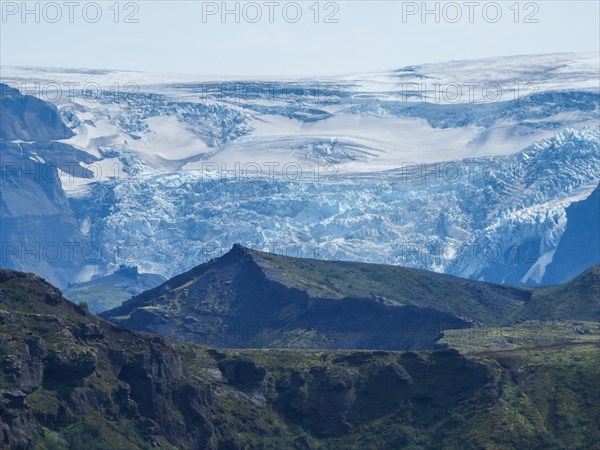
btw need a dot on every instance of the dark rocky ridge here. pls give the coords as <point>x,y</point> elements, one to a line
<point>251,299</point>
<point>233,302</point>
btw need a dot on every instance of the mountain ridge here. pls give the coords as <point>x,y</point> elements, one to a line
<point>267,300</point>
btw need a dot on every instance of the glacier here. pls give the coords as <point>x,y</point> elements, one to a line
<point>491,221</point>
<point>466,167</point>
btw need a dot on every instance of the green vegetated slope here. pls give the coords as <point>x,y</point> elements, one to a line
<point>577,299</point>
<point>70,380</point>
<point>394,285</point>
<point>523,334</point>
<point>484,303</point>
<point>253,299</point>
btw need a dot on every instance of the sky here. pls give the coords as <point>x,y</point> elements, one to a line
<point>280,38</point>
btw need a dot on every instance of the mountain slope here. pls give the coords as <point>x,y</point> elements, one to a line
<point>69,380</point>
<point>577,299</point>
<point>39,230</point>
<point>579,247</point>
<point>27,118</point>
<point>102,293</point>
<point>248,298</point>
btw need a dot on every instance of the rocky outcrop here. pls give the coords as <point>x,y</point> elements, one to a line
<point>27,118</point>
<point>242,372</point>
<point>70,366</point>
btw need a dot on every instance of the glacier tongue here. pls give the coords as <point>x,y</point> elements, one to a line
<point>488,218</point>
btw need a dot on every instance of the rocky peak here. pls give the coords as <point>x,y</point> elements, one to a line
<point>127,271</point>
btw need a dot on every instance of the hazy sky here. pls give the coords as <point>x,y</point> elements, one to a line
<point>178,37</point>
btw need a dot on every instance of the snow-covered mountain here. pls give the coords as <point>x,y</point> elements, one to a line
<point>465,167</point>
